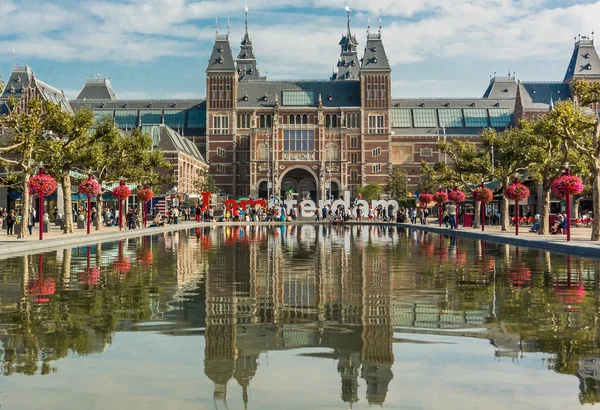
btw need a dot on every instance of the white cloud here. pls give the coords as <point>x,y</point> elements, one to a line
<point>298,38</point>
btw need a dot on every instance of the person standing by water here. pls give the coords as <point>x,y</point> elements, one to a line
<point>10,222</point>
<point>452,215</point>
<point>30,222</point>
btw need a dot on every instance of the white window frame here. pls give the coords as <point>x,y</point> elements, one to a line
<point>377,124</point>
<point>220,125</point>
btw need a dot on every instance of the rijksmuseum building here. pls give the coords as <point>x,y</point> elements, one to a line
<point>323,137</point>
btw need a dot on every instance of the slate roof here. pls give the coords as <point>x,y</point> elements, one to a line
<point>375,57</point>
<point>171,141</point>
<point>536,96</point>
<point>221,58</point>
<point>501,87</point>
<point>146,104</point>
<point>17,83</point>
<point>348,64</point>
<point>246,60</point>
<point>584,61</point>
<point>54,95</point>
<point>342,93</point>
<point>97,89</point>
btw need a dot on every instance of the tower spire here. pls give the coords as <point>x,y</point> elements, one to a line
<point>347,64</point>
<point>348,11</point>
<point>246,9</point>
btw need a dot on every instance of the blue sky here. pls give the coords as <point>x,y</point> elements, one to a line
<point>160,48</point>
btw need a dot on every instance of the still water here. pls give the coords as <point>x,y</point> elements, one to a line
<point>299,317</point>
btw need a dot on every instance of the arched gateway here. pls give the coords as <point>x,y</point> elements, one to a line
<point>299,180</point>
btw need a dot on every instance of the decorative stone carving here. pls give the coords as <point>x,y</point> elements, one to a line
<point>298,156</point>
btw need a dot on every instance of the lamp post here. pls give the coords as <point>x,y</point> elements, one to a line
<point>89,207</point>
<point>516,212</point>
<point>568,198</point>
<point>41,209</point>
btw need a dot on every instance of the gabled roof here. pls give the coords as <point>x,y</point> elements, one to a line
<point>171,141</point>
<point>584,61</point>
<point>54,95</point>
<point>538,96</point>
<point>375,57</point>
<point>17,83</point>
<point>97,89</point>
<point>221,58</point>
<point>262,94</point>
<point>501,87</point>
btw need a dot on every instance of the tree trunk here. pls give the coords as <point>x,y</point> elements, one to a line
<point>596,200</point>
<point>545,214</point>
<point>504,211</point>
<point>99,212</point>
<point>477,215</point>
<point>140,215</point>
<point>576,207</point>
<point>66,265</point>
<point>68,211</point>
<point>25,208</point>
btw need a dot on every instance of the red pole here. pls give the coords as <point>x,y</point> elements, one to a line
<point>120,215</point>
<point>516,218</point>
<point>89,209</point>
<point>145,212</point>
<point>41,217</point>
<point>568,213</point>
<point>482,211</point>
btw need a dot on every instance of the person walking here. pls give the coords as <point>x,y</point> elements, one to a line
<point>176,216</point>
<point>452,215</point>
<point>10,222</point>
<point>30,222</point>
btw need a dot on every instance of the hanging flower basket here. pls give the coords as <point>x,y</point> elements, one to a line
<point>146,258</point>
<point>145,194</point>
<point>41,185</point>
<point>440,197</point>
<point>41,288</point>
<point>89,188</point>
<point>457,196</point>
<point>570,294</point>
<point>425,199</point>
<point>122,265</point>
<point>484,195</point>
<point>121,192</point>
<point>90,276</point>
<point>520,277</point>
<point>517,192</point>
<point>567,185</point>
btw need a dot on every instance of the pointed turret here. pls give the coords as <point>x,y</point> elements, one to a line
<point>585,63</point>
<point>375,58</point>
<point>246,60</point>
<point>348,66</point>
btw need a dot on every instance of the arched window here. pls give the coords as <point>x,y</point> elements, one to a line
<point>263,151</point>
<point>292,119</point>
<point>334,123</point>
<point>305,119</point>
<point>311,119</point>
<point>348,120</point>
<point>298,119</point>
<point>328,121</point>
<point>269,124</point>
<point>262,121</point>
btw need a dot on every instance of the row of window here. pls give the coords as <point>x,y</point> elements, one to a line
<point>244,120</point>
<point>377,124</point>
<point>220,125</point>
<point>176,119</point>
<point>451,117</point>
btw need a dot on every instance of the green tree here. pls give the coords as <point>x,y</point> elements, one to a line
<point>116,156</point>
<point>398,183</point>
<point>68,150</point>
<point>512,158</point>
<point>369,192</point>
<point>23,142</point>
<point>205,182</point>
<point>580,129</point>
<point>469,165</point>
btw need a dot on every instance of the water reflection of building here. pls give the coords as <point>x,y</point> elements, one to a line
<point>295,289</point>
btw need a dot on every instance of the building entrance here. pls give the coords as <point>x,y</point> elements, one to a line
<point>300,184</point>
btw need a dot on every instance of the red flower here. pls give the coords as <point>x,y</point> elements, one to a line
<point>89,188</point>
<point>424,199</point>
<point>520,277</point>
<point>145,194</point>
<point>122,265</point>
<point>517,192</point>
<point>482,194</point>
<point>121,192</point>
<point>90,276</point>
<point>457,196</point>
<point>440,197</point>
<point>41,185</point>
<point>567,185</point>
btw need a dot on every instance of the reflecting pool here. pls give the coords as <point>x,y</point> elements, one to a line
<point>299,317</point>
